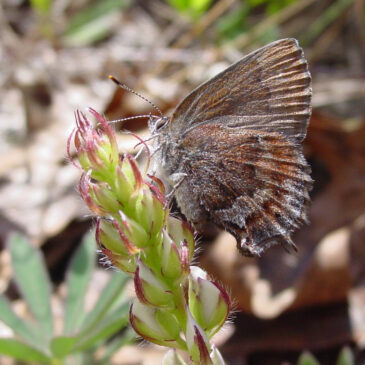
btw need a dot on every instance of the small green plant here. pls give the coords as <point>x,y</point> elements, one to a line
<point>34,341</point>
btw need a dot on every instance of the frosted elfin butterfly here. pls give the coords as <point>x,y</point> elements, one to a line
<point>231,151</point>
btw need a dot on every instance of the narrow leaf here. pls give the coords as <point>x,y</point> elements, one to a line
<point>107,298</point>
<point>32,279</point>
<point>20,327</point>
<point>21,351</point>
<point>109,326</point>
<point>61,346</point>
<point>78,279</point>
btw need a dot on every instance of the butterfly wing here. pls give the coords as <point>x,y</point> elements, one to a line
<point>253,185</point>
<point>269,90</point>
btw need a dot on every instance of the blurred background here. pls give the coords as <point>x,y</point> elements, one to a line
<point>55,56</point>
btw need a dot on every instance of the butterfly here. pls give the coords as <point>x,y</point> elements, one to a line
<point>231,151</point>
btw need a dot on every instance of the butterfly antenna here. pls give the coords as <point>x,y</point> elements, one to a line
<point>125,87</point>
<point>129,118</point>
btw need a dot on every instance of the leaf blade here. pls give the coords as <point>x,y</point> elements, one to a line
<point>32,278</point>
<point>21,351</point>
<point>106,299</point>
<point>20,327</point>
<point>78,279</point>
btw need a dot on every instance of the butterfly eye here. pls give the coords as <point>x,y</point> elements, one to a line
<point>160,123</point>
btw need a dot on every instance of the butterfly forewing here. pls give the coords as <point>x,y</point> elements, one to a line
<point>269,89</point>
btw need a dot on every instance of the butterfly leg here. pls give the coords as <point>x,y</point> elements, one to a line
<point>177,179</point>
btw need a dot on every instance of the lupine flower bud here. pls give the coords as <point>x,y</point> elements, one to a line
<point>84,189</point>
<point>171,266</point>
<point>133,231</point>
<point>150,289</point>
<point>208,303</point>
<point>114,248</point>
<point>155,325</point>
<point>96,148</point>
<point>182,234</point>
<point>124,183</point>
<point>105,198</point>
<point>113,239</point>
<point>197,342</point>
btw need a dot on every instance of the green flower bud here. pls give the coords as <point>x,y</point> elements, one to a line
<point>208,303</point>
<point>155,325</point>
<point>133,231</point>
<point>114,247</point>
<point>170,261</point>
<point>150,211</point>
<point>96,148</point>
<point>181,233</point>
<point>123,184</point>
<point>197,342</point>
<point>150,289</point>
<point>105,198</point>
<point>111,238</point>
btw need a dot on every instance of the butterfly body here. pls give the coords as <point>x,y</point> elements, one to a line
<point>232,151</point>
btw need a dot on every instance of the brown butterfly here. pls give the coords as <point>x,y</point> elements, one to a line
<point>232,149</point>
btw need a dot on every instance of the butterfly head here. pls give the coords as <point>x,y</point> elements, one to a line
<point>157,123</point>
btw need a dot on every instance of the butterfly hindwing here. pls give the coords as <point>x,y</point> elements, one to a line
<point>254,185</point>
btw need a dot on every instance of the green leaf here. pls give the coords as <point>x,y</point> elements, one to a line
<point>94,23</point>
<point>110,294</point>
<point>109,326</point>
<point>78,279</point>
<point>61,346</point>
<point>20,327</point>
<point>21,351</point>
<point>32,279</point>
<point>346,357</point>
<point>306,358</point>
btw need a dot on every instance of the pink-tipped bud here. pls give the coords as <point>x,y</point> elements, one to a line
<point>182,234</point>
<point>105,198</point>
<point>171,266</point>
<point>96,148</point>
<point>150,289</point>
<point>197,342</point>
<point>155,325</point>
<point>149,211</point>
<point>85,189</point>
<point>114,248</point>
<point>133,231</point>
<point>208,302</point>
